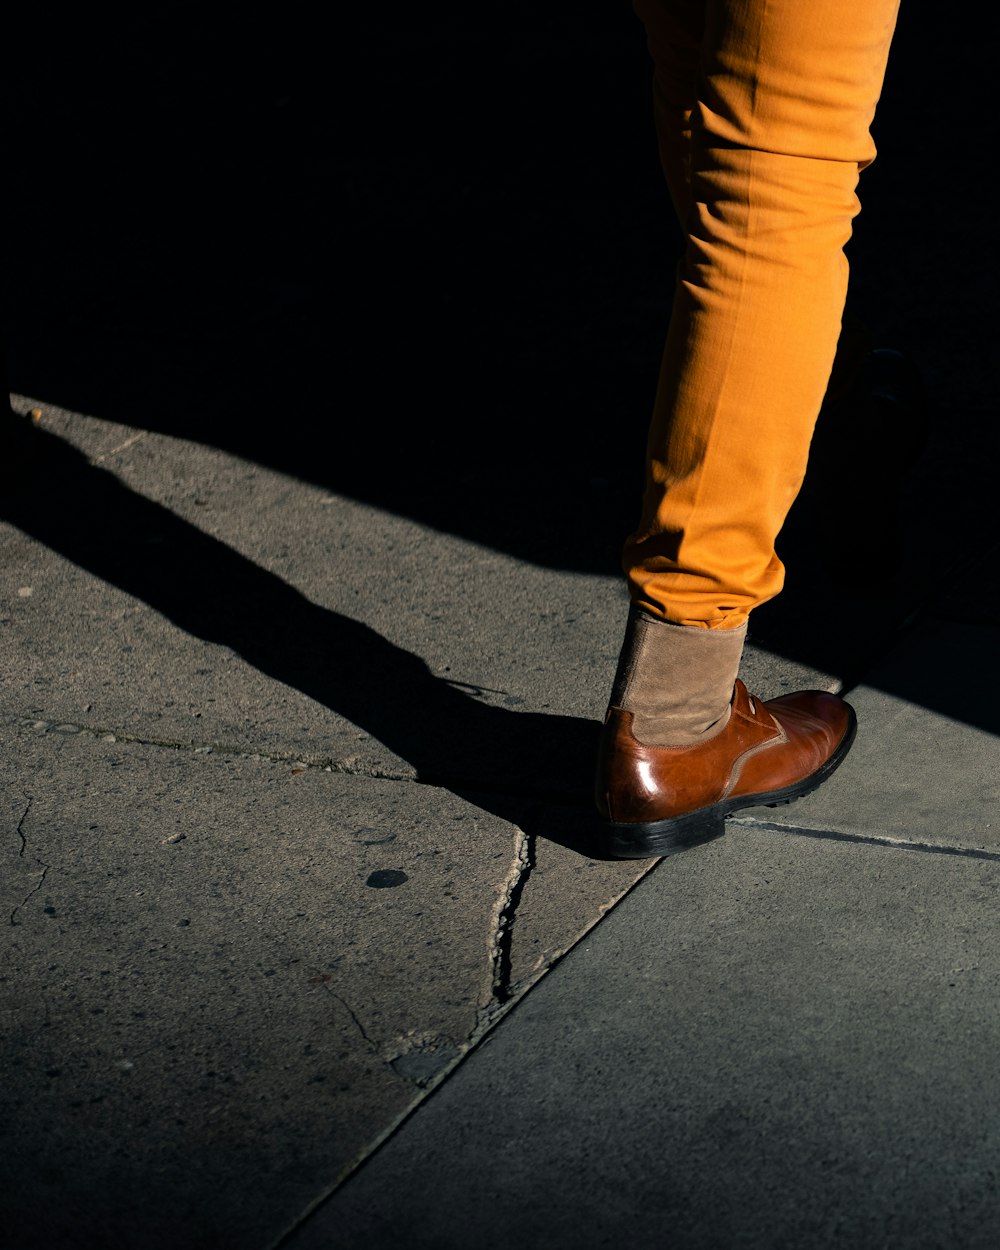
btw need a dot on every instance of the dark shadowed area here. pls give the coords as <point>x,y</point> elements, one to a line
<point>426,262</point>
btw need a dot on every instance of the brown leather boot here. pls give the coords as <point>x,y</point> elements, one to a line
<point>660,795</point>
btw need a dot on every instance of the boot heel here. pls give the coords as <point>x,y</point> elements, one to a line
<point>658,838</point>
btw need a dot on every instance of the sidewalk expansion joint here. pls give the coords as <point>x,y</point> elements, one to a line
<point>503,916</point>
<point>105,734</point>
<point>348,767</point>
<point>885,841</point>
<point>490,1013</point>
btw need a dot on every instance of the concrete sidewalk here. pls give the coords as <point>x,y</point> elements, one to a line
<point>280,855</point>
<point>309,938</point>
<point>785,1038</point>
<point>245,934</point>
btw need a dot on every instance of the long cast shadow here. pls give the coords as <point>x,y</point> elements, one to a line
<point>462,328</point>
<point>509,762</point>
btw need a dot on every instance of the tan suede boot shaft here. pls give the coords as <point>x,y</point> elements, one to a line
<point>676,680</point>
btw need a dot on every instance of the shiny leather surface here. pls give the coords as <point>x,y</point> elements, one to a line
<point>763,748</point>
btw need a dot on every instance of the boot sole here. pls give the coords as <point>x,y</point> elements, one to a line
<point>659,837</point>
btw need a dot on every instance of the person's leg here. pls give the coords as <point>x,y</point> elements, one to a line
<point>778,135</point>
<point>763,113</point>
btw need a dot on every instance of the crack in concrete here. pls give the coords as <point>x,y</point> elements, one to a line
<point>499,990</point>
<point>20,828</point>
<point>21,854</point>
<point>323,979</point>
<point>350,1011</point>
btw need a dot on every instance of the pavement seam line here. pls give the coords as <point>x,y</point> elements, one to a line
<point>488,1018</point>
<point>503,915</point>
<point>325,764</point>
<point>105,734</point>
<point>890,843</point>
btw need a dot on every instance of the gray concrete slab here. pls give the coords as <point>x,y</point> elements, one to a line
<point>223,978</point>
<point>925,767</point>
<point>776,1041</point>
<point>204,660</point>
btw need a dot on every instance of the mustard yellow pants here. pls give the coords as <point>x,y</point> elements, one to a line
<point>763,109</point>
